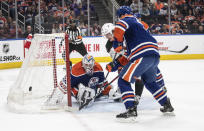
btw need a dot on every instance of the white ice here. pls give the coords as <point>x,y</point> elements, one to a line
<point>184,81</point>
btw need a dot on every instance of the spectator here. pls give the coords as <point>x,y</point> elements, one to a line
<point>3,34</point>
<point>163,10</point>
<point>145,10</point>
<point>158,5</point>
<point>136,6</point>
<point>194,27</point>
<point>28,31</point>
<point>200,29</point>
<point>2,20</point>
<point>84,29</point>
<point>55,28</point>
<point>173,9</point>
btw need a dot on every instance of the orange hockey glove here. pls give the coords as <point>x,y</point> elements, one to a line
<point>118,49</point>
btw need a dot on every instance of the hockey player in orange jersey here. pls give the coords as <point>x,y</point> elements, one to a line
<point>143,59</point>
<point>87,78</point>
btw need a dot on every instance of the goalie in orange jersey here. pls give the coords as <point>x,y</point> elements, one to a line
<point>87,79</point>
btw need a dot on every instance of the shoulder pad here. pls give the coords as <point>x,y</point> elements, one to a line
<point>78,70</point>
<point>97,67</point>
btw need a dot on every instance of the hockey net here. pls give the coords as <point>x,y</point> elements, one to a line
<point>40,73</point>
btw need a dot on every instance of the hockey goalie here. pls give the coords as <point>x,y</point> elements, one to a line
<point>87,78</point>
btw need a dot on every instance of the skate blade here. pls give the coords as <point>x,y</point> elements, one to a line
<point>169,114</point>
<point>71,109</point>
<point>127,120</point>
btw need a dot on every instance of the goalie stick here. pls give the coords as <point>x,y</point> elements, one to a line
<point>181,51</point>
<point>97,94</point>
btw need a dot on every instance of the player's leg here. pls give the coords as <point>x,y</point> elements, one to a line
<point>71,48</point>
<point>160,80</point>
<point>139,86</point>
<point>81,49</point>
<point>129,74</point>
<point>128,98</point>
<point>157,91</point>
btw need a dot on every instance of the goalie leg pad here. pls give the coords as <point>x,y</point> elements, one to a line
<point>84,94</point>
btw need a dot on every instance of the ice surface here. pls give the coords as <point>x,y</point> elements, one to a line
<point>184,81</point>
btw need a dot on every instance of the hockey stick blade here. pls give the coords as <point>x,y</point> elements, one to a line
<point>181,51</point>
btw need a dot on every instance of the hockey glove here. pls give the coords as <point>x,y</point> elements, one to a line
<point>122,60</point>
<point>104,88</point>
<point>118,49</point>
<point>112,66</point>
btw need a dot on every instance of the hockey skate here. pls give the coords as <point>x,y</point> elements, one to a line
<point>167,107</point>
<point>54,102</point>
<point>128,116</point>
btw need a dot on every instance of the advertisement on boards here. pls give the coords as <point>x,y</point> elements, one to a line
<point>11,51</point>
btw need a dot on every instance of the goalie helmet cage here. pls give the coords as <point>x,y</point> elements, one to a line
<point>40,73</point>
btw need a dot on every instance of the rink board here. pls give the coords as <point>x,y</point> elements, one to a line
<point>12,51</point>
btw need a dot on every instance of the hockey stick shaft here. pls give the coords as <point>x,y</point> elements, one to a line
<point>181,51</point>
<point>88,101</point>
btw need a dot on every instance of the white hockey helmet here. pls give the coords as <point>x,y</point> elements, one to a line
<point>88,63</point>
<point>107,28</point>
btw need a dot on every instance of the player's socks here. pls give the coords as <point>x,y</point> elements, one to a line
<point>158,93</point>
<point>139,86</point>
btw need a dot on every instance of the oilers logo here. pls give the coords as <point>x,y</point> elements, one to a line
<point>93,82</point>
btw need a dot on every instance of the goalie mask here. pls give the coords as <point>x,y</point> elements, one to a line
<point>88,64</point>
<point>107,28</point>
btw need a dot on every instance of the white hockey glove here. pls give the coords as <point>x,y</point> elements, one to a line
<point>84,94</point>
<point>114,95</point>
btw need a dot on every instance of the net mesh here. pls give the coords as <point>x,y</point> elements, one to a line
<point>42,69</point>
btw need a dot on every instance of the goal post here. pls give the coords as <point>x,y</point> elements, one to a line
<point>40,74</point>
<point>69,102</point>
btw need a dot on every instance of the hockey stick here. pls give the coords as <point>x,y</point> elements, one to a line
<point>181,51</point>
<point>97,94</point>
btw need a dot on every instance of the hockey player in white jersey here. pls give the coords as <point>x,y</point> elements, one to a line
<point>107,31</point>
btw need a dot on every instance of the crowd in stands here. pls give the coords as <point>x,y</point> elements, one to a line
<point>51,17</point>
<point>187,16</point>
